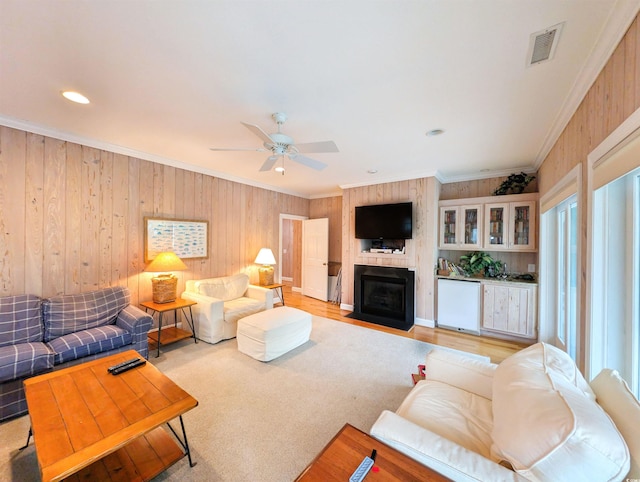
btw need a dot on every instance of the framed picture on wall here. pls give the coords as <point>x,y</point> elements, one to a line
<point>188,239</point>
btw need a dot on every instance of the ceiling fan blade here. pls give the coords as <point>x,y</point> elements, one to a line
<point>260,149</point>
<point>323,146</point>
<point>258,132</point>
<point>307,161</point>
<point>268,164</point>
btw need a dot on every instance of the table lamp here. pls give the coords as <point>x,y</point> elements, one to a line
<point>165,285</point>
<point>266,259</point>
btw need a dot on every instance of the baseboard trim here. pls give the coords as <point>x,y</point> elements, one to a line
<point>423,322</point>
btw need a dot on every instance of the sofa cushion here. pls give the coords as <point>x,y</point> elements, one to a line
<point>241,307</point>
<point>469,372</point>
<point>613,394</point>
<point>20,320</point>
<point>88,342</point>
<point>225,288</point>
<point>24,360</point>
<point>457,415</point>
<point>547,424</point>
<point>70,313</point>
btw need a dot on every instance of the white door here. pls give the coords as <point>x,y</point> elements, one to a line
<point>315,258</point>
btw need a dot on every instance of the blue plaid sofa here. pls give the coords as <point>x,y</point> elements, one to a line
<point>39,335</point>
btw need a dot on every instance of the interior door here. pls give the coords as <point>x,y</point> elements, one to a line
<point>315,258</point>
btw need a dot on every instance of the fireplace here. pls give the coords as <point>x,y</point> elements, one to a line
<point>384,295</point>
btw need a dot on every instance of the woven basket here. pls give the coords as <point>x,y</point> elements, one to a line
<point>164,288</point>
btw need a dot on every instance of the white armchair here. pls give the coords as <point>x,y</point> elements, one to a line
<point>222,302</point>
<point>533,417</point>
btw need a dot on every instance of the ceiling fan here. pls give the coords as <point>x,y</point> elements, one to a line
<point>281,145</point>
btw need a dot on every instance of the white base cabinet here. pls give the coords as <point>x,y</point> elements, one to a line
<point>510,309</point>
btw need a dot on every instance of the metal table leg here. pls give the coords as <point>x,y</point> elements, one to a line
<point>183,441</point>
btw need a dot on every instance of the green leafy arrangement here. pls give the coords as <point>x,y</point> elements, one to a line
<point>514,184</point>
<point>480,262</point>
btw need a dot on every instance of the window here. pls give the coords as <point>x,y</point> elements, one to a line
<point>559,264</point>
<point>615,322</point>
<point>560,276</point>
<point>613,291</point>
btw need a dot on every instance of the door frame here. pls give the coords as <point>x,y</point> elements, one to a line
<point>283,217</point>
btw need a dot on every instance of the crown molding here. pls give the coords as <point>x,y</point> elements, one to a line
<point>388,179</point>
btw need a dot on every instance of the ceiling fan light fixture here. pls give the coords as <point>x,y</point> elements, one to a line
<point>281,145</point>
<point>279,169</point>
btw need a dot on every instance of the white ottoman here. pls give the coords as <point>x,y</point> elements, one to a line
<point>272,333</point>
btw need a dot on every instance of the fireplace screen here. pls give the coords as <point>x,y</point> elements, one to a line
<point>384,297</point>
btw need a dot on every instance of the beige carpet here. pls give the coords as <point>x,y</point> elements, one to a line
<point>266,421</point>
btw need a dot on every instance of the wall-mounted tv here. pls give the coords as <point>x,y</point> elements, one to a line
<point>384,221</point>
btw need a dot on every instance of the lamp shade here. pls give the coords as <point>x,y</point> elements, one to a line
<point>167,261</point>
<point>265,256</point>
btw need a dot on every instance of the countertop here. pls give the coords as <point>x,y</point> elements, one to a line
<point>511,279</point>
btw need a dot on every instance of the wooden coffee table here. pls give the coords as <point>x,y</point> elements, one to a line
<point>106,427</point>
<point>342,456</point>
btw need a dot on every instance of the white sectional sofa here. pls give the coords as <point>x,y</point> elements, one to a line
<point>532,417</point>
<point>222,302</point>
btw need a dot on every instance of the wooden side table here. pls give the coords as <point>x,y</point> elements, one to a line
<point>171,334</point>
<point>342,456</point>
<point>277,287</point>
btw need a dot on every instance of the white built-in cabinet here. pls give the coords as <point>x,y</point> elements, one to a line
<point>510,226</point>
<point>496,223</point>
<point>461,227</point>
<point>510,309</point>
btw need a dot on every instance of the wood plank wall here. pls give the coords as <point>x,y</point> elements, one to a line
<point>478,188</point>
<point>331,208</point>
<point>421,252</point>
<point>612,98</point>
<point>71,217</point>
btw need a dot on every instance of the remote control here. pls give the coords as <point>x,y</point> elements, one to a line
<point>123,369</point>
<point>362,470</point>
<point>120,365</point>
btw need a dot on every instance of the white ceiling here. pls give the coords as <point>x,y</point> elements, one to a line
<point>168,79</point>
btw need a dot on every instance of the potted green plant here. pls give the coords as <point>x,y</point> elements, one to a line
<point>480,263</point>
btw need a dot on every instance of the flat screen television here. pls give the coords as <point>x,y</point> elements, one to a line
<point>384,221</point>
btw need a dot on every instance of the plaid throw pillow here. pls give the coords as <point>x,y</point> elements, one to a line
<point>71,313</point>
<point>20,320</point>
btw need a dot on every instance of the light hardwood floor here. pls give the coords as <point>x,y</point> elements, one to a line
<point>496,349</point>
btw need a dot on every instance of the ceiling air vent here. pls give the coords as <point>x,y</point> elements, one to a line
<point>542,44</point>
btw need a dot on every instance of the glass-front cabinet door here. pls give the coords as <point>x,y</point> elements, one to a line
<point>496,216</point>
<point>522,234</point>
<point>448,227</point>
<point>471,227</point>
<point>510,226</point>
<point>461,227</point>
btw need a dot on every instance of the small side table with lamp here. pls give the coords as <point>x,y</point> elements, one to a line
<point>165,299</point>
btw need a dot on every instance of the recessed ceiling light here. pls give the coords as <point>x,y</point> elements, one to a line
<point>434,132</point>
<point>372,171</point>
<point>75,97</point>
